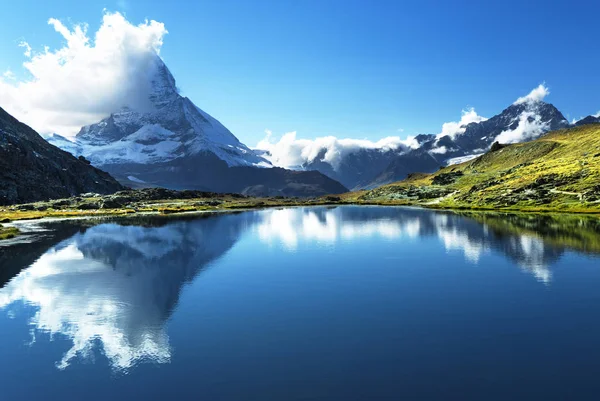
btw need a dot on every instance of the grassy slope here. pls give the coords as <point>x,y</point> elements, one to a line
<point>558,172</point>
<point>8,232</point>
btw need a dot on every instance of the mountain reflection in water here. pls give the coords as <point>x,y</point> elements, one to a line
<point>117,283</point>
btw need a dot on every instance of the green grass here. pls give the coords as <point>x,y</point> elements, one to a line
<point>8,232</point>
<point>558,172</point>
<point>161,207</point>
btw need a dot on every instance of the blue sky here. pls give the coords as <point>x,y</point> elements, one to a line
<point>353,69</point>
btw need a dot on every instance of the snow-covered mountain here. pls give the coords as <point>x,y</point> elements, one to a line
<point>517,123</point>
<point>169,126</point>
<point>167,141</point>
<point>369,168</point>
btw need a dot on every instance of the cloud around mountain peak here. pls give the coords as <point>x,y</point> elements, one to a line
<point>538,94</point>
<point>290,152</point>
<point>87,78</point>
<point>530,126</point>
<point>454,128</point>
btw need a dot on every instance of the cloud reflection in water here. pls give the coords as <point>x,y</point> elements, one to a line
<point>117,285</point>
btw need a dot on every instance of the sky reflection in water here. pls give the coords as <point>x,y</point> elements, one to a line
<point>112,288</point>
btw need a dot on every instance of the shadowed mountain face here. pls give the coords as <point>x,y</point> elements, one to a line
<point>206,172</point>
<point>478,137</point>
<point>588,120</point>
<point>357,169</point>
<point>171,143</point>
<point>418,160</point>
<point>31,169</point>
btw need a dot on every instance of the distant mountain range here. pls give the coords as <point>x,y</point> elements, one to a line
<point>369,168</point>
<point>31,169</point>
<point>518,122</point>
<point>559,171</point>
<point>172,143</point>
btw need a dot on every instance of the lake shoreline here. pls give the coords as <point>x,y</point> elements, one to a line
<point>14,216</point>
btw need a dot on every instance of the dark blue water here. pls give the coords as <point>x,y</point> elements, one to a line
<point>349,303</point>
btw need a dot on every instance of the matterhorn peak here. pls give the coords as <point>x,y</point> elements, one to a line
<point>162,82</point>
<point>163,139</point>
<point>161,127</point>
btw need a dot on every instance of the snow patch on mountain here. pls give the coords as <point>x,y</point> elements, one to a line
<point>65,144</point>
<point>462,159</point>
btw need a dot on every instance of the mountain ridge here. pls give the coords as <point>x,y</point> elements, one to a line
<point>31,169</point>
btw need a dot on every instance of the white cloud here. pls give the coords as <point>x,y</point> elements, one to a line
<point>439,151</point>
<point>9,75</point>
<point>86,79</point>
<point>597,114</point>
<point>292,152</point>
<point>536,95</point>
<point>454,128</point>
<point>25,45</point>
<point>530,126</point>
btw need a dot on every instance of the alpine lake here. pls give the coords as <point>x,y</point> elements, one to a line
<point>317,303</point>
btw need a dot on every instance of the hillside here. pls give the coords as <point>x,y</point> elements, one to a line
<point>33,170</point>
<point>559,171</point>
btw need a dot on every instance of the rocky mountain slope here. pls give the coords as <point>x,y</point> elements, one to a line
<point>169,142</point>
<point>588,120</point>
<point>31,169</point>
<point>559,171</point>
